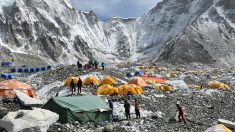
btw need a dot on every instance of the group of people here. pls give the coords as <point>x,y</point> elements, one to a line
<point>127,109</point>
<point>91,64</point>
<point>181,116</point>
<point>73,86</point>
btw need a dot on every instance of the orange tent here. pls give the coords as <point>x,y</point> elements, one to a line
<point>129,89</point>
<point>7,88</point>
<point>69,79</point>
<point>155,79</point>
<point>107,80</point>
<point>137,81</point>
<point>91,81</point>
<point>107,89</point>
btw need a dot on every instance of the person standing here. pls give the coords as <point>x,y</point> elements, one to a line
<point>137,109</point>
<point>181,112</point>
<point>102,65</point>
<point>79,65</point>
<point>79,85</point>
<point>72,86</point>
<point>127,109</point>
<point>111,113</point>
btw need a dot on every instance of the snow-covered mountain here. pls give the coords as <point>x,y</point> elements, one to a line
<point>175,31</point>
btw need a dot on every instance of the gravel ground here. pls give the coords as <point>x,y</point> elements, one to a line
<point>203,107</point>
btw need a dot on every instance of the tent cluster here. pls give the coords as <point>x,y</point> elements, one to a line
<point>30,70</point>
<point>126,89</point>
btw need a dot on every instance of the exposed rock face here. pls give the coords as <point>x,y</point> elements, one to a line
<point>175,31</point>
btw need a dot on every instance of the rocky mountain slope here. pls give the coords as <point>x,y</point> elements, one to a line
<point>175,31</point>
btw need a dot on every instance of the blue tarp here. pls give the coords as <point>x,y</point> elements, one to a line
<point>6,63</point>
<point>139,73</point>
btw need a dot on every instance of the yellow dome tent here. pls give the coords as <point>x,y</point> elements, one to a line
<point>107,90</point>
<point>129,89</point>
<point>217,85</point>
<point>107,80</point>
<point>91,81</point>
<point>69,79</point>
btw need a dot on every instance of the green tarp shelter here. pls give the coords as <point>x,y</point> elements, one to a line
<point>82,109</point>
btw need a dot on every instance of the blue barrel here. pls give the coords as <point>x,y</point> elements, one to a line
<point>43,69</point>
<point>37,69</point>
<point>26,70</point>
<point>128,74</point>
<point>49,67</point>
<point>13,70</point>
<point>20,70</point>
<point>32,70</point>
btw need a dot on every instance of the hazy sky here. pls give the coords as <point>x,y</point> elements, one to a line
<point>110,8</point>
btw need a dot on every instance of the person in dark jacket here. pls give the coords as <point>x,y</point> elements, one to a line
<point>102,65</point>
<point>137,108</point>
<point>111,105</point>
<point>111,113</point>
<point>181,112</point>
<point>72,86</point>
<point>79,65</point>
<point>79,85</point>
<point>127,109</point>
<point>96,63</point>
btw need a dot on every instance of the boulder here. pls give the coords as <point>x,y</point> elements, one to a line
<point>108,128</point>
<point>37,120</point>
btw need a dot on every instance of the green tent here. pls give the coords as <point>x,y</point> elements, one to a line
<point>83,109</point>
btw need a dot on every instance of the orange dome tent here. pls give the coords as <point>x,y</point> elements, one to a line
<point>129,89</point>
<point>137,81</point>
<point>107,90</point>
<point>91,81</point>
<point>69,79</point>
<point>107,80</point>
<point>7,88</point>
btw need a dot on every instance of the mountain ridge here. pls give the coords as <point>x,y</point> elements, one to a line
<point>58,33</point>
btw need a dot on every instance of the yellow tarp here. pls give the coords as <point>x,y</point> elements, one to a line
<point>107,90</point>
<point>108,80</point>
<point>163,88</point>
<point>91,81</point>
<point>217,85</point>
<point>129,89</point>
<point>218,128</point>
<point>69,79</point>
